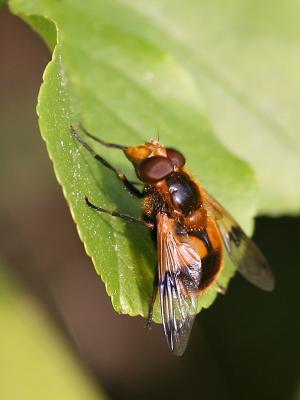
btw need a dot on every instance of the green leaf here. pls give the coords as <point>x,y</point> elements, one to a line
<point>123,87</point>
<point>34,361</point>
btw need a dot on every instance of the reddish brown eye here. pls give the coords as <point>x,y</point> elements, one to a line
<point>154,168</point>
<point>176,157</point>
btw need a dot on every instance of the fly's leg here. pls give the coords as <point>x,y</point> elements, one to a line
<point>153,298</point>
<point>118,214</point>
<point>220,289</point>
<point>128,185</point>
<point>106,144</point>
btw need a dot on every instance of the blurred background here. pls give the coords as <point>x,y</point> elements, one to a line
<point>246,346</point>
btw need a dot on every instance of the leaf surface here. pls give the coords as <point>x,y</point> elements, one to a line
<point>123,87</point>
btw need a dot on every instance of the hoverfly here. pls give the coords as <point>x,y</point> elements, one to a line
<point>191,230</point>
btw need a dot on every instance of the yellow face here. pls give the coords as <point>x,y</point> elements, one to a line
<point>136,154</point>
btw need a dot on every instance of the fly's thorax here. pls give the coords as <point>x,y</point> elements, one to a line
<point>184,193</point>
<point>156,200</point>
<point>178,196</point>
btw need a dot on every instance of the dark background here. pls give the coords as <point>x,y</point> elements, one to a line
<point>244,347</point>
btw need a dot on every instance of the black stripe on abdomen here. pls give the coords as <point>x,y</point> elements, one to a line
<point>211,263</point>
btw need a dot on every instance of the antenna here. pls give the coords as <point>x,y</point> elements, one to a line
<point>157,134</point>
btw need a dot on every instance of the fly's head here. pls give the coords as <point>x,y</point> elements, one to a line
<point>153,161</point>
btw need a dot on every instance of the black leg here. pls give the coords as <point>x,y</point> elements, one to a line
<point>120,215</point>
<point>114,145</point>
<point>128,185</point>
<point>153,298</point>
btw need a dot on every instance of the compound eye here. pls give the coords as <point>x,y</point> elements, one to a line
<point>176,157</point>
<point>154,168</point>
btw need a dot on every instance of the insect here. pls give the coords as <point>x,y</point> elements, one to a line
<point>191,230</point>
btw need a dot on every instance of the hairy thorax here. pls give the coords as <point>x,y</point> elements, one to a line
<point>180,198</point>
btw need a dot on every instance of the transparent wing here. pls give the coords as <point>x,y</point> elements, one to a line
<point>179,270</point>
<point>244,253</point>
